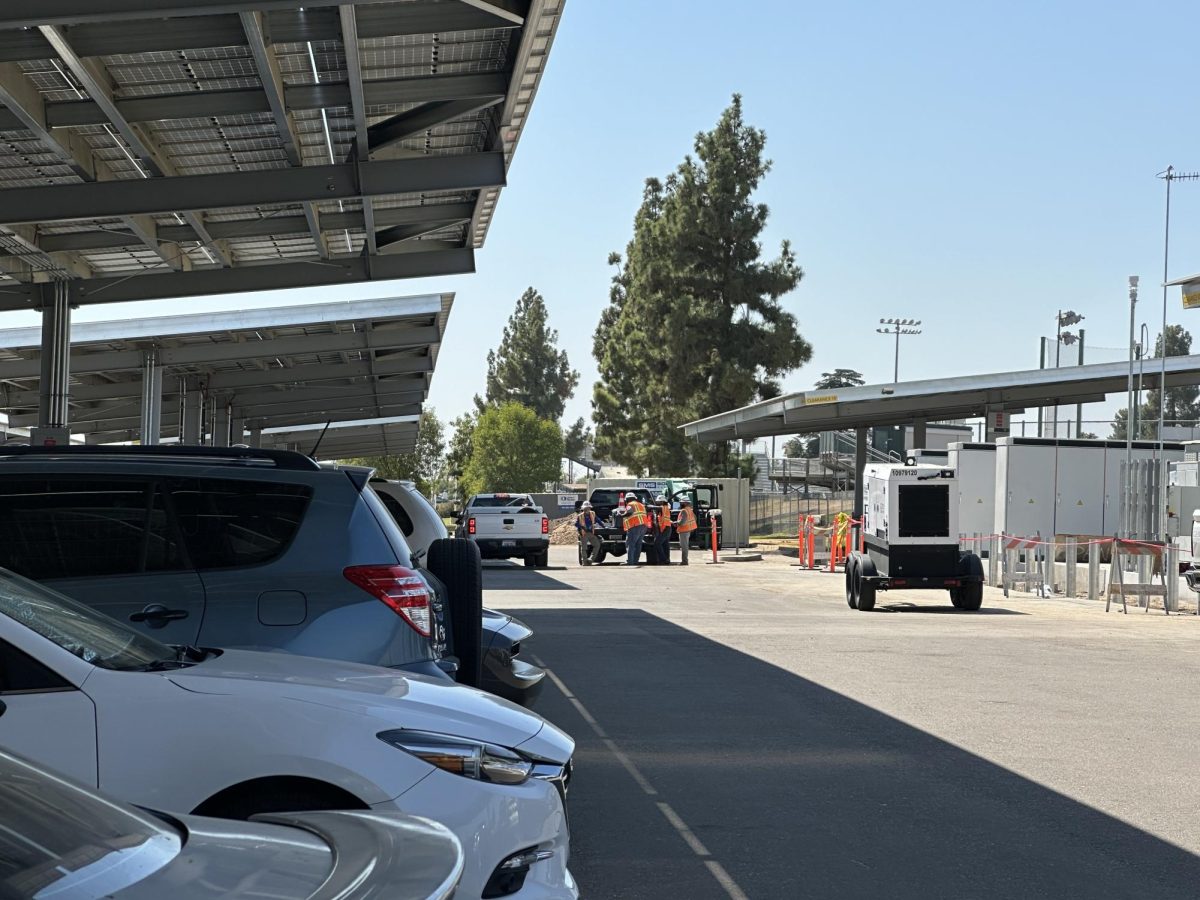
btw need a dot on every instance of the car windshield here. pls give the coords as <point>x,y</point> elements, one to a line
<point>59,841</point>
<point>93,637</point>
<point>499,501</point>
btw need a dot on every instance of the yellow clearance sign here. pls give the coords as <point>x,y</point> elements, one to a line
<point>1191,295</point>
<point>817,399</point>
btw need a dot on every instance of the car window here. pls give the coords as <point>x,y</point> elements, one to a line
<point>229,522</point>
<point>21,673</point>
<point>72,527</point>
<point>500,501</point>
<point>58,841</point>
<point>399,513</point>
<point>78,629</point>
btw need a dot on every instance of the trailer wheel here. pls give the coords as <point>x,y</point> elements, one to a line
<point>866,594</point>
<point>970,596</point>
<point>851,575</point>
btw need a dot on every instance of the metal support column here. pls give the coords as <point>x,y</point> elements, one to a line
<point>54,385</point>
<point>860,465</point>
<point>255,438</point>
<point>220,436</point>
<point>151,426</point>
<point>919,435</point>
<point>193,412</point>
<point>237,428</point>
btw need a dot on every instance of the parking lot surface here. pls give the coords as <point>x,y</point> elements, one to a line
<point>743,733</point>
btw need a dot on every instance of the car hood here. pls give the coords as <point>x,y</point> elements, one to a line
<point>396,700</point>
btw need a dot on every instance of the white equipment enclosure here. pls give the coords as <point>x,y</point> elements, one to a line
<point>910,537</point>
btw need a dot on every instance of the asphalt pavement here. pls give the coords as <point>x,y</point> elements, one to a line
<point>742,733</point>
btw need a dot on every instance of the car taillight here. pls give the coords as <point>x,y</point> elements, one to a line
<point>400,588</point>
<point>471,525</point>
<point>545,525</point>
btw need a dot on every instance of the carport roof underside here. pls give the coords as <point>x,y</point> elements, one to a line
<point>271,368</point>
<point>933,400</point>
<point>166,148</point>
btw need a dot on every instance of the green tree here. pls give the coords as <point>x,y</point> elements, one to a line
<point>513,450</point>
<point>801,446</point>
<point>527,367</point>
<point>1182,405</point>
<point>423,465</point>
<point>577,439</point>
<point>694,325</point>
<point>839,378</point>
<point>461,443</point>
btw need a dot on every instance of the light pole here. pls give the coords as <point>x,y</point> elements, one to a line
<point>1063,337</point>
<point>899,327</point>
<point>1168,175</point>
<point>1133,293</point>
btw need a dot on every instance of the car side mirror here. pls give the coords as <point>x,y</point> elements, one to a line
<point>456,513</point>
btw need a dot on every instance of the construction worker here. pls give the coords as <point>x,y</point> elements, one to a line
<point>684,526</point>
<point>662,538</point>
<point>635,523</point>
<point>589,543</point>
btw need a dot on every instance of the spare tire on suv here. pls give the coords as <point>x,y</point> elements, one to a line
<point>457,564</point>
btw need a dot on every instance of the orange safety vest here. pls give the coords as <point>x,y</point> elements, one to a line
<point>636,515</point>
<point>687,520</point>
<point>664,517</point>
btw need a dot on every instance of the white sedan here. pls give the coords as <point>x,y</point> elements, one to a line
<point>232,733</point>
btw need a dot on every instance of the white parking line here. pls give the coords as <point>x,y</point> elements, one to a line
<point>717,871</point>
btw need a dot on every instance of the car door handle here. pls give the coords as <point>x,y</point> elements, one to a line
<point>157,616</point>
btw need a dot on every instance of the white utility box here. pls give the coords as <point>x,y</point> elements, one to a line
<point>975,466</point>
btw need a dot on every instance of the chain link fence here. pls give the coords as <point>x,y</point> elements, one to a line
<point>779,514</point>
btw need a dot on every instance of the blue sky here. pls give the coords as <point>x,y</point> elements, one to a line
<point>975,165</point>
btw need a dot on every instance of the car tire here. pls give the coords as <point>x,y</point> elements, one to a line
<point>601,556</point>
<point>457,564</point>
<point>852,572</point>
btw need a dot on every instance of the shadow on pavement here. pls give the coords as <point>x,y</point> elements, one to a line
<point>801,792</point>
<point>906,607</point>
<point>505,576</point>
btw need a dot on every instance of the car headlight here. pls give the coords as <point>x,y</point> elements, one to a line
<point>461,756</point>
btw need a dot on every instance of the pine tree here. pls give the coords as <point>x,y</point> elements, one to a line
<point>527,367</point>
<point>1182,406</point>
<point>694,325</point>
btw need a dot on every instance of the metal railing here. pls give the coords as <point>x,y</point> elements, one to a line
<point>779,514</point>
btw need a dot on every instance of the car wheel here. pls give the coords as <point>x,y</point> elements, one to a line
<point>543,559</point>
<point>970,595</point>
<point>956,597</point>
<point>851,574</point>
<point>457,564</point>
<point>601,556</point>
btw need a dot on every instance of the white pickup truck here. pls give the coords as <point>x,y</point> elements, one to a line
<point>506,526</point>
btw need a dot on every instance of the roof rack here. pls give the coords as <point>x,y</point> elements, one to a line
<point>283,459</point>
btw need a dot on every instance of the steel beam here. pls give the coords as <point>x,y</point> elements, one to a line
<point>358,109</point>
<point>251,188</point>
<point>24,102</point>
<point>422,118</point>
<point>272,81</point>
<point>96,81</point>
<point>513,11</point>
<point>54,366</point>
<point>235,351</point>
<point>267,226</point>
<point>32,13</point>
<point>244,101</point>
<point>104,422</point>
<point>150,428</point>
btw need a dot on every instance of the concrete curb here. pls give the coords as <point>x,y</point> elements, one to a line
<point>741,557</point>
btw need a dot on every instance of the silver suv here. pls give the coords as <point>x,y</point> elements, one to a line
<point>223,547</point>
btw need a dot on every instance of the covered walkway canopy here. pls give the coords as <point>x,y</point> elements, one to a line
<point>218,376</point>
<point>173,148</point>
<point>936,399</point>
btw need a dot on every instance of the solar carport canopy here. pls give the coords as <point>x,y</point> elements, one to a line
<point>167,148</point>
<point>228,373</point>
<point>937,399</point>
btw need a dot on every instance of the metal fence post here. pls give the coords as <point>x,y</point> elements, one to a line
<point>1069,558</point>
<point>1171,578</point>
<point>1093,570</point>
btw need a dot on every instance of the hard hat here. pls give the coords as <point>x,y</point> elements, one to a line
<point>586,505</point>
<point>1196,515</point>
<point>660,499</point>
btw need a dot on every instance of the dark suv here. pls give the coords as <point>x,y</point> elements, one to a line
<point>226,547</point>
